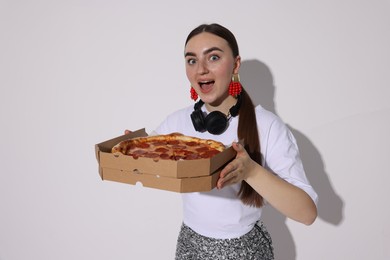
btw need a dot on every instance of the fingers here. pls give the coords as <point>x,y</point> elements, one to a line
<point>228,168</point>
<point>230,179</point>
<point>238,147</point>
<point>234,172</point>
<point>229,175</point>
<point>127,132</point>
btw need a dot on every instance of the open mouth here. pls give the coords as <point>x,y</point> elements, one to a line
<point>206,86</point>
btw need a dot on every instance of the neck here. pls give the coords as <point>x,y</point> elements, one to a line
<point>223,106</point>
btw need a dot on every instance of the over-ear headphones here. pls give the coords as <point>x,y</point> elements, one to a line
<point>215,122</point>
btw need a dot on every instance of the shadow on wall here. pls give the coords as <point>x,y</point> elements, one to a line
<point>258,81</point>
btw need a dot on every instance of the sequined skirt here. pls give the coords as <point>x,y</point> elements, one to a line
<point>255,245</point>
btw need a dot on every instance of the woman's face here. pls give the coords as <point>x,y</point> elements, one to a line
<point>209,67</point>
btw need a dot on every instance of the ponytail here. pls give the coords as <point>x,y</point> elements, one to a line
<point>248,132</point>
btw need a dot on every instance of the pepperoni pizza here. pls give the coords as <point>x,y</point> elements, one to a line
<point>173,146</point>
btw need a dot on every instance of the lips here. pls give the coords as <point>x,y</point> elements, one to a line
<point>206,86</point>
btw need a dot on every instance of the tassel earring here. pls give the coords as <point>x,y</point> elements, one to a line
<point>194,95</point>
<point>235,86</point>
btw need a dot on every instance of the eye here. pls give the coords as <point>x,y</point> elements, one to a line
<point>214,57</point>
<point>191,61</point>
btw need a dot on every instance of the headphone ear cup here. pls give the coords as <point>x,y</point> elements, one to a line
<point>198,120</point>
<point>216,122</point>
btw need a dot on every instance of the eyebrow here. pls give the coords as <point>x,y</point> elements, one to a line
<point>205,52</point>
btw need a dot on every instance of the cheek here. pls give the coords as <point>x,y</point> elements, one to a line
<point>190,74</point>
<point>225,76</point>
<point>225,71</point>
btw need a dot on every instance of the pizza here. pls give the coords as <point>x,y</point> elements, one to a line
<point>174,146</point>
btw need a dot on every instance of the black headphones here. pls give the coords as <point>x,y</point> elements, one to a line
<point>216,122</point>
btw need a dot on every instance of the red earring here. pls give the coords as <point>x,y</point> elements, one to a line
<point>235,86</point>
<point>194,95</point>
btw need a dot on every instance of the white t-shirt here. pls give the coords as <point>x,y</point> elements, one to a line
<point>220,213</point>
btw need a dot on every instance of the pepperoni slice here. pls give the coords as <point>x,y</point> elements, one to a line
<point>139,152</point>
<point>209,154</point>
<point>142,145</point>
<point>151,155</point>
<point>165,156</point>
<point>202,149</point>
<point>188,152</point>
<point>159,143</point>
<point>173,142</point>
<point>161,150</point>
<point>178,147</point>
<point>134,156</point>
<point>191,143</point>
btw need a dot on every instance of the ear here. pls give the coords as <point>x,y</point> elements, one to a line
<point>237,64</point>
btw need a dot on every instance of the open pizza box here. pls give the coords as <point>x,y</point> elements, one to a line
<point>178,176</point>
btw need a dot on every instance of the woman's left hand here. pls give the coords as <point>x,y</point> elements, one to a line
<point>237,170</point>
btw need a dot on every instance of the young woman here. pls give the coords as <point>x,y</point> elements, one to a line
<point>225,222</point>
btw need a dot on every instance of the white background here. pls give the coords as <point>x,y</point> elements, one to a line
<point>76,73</point>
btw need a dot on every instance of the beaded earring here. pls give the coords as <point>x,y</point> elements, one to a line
<point>194,95</point>
<point>235,87</point>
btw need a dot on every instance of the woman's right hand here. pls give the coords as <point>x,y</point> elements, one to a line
<point>127,132</point>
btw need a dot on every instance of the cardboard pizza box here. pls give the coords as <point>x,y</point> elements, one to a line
<point>182,185</point>
<point>162,168</point>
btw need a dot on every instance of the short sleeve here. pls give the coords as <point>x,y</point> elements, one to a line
<point>281,156</point>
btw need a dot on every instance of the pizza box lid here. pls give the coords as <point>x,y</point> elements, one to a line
<point>182,185</point>
<point>167,168</point>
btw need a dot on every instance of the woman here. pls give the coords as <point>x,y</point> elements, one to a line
<point>225,222</point>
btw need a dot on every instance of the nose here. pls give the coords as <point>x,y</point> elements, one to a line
<point>202,68</point>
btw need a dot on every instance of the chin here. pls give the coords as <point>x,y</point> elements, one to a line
<point>213,98</point>
<point>207,98</point>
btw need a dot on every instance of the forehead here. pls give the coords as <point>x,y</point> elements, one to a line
<point>204,41</point>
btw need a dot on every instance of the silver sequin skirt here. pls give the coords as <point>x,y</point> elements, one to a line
<point>255,245</point>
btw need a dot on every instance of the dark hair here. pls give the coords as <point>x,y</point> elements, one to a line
<point>218,30</point>
<point>247,125</point>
